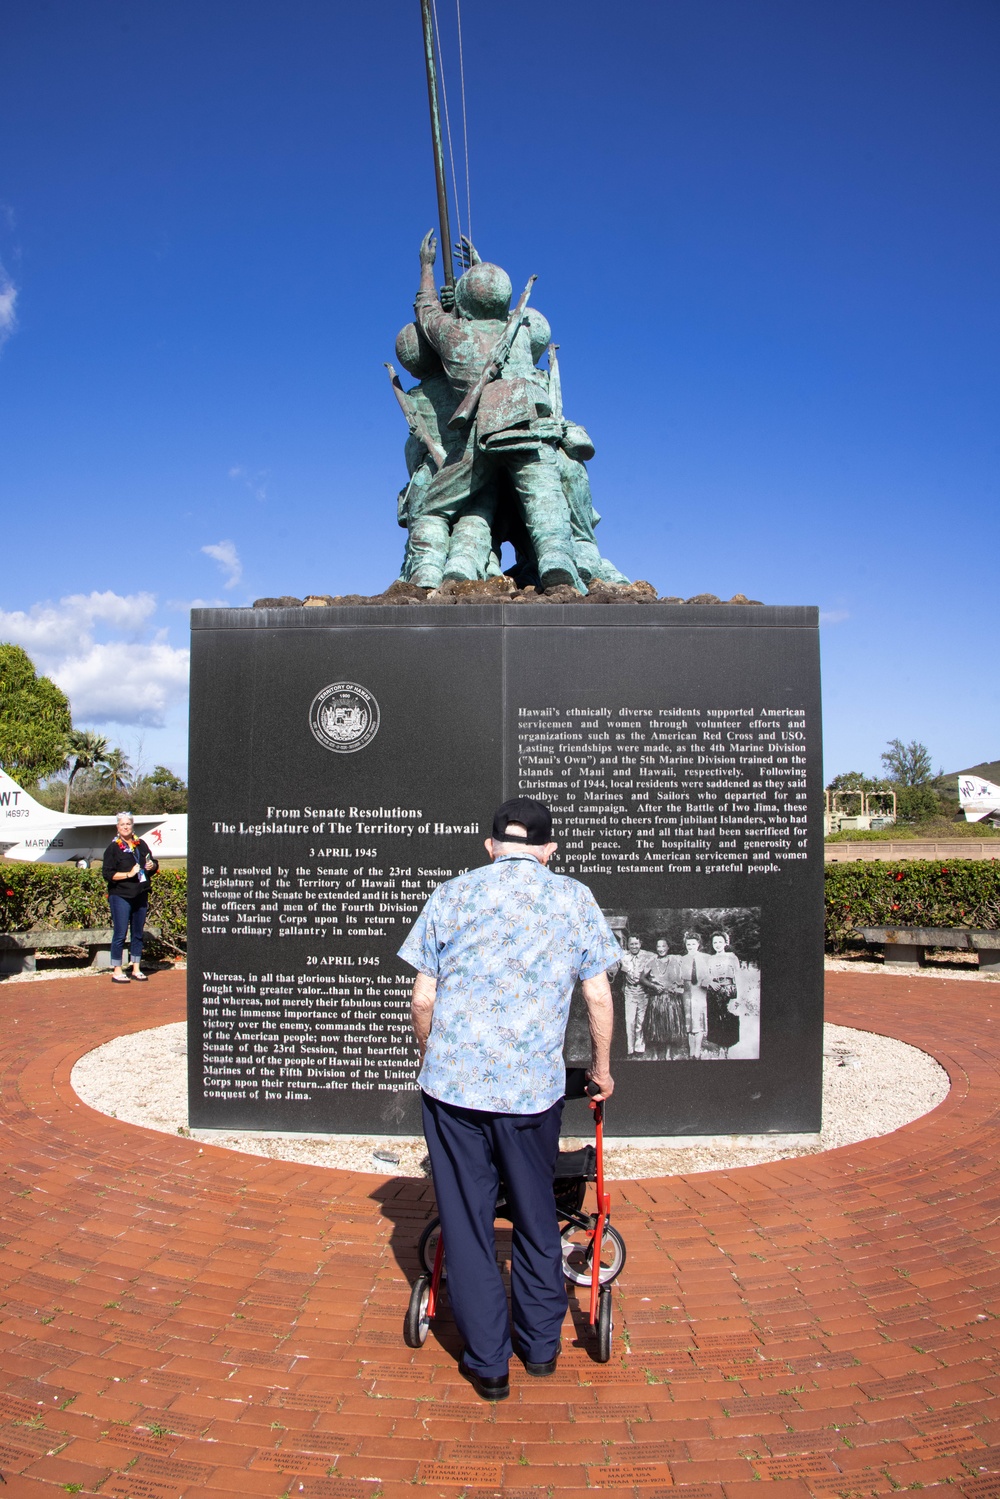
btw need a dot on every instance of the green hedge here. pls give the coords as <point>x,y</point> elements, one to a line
<point>910,892</point>
<point>37,897</point>
<point>907,892</point>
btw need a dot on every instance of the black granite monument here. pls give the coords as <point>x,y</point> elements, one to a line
<point>345,760</point>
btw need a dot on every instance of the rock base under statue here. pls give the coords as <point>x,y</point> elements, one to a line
<point>345,760</point>
<point>500,590</point>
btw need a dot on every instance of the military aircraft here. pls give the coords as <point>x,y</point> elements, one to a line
<point>979,799</point>
<point>37,834</point>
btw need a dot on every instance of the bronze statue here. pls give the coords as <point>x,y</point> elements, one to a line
<point>490,457</point>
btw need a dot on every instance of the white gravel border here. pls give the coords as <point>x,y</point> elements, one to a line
<point>872,1085</point>
<point>933,969</point>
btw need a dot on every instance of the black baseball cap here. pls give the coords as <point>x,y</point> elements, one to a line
<point>534,817</point>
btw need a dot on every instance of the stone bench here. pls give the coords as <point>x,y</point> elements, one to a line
<point>18,950</point>
<point>906,944</point>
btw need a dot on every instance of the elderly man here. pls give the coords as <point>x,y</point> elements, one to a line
<point>497,952</point>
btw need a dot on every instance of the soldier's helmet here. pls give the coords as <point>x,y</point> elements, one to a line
<point>415,353</point>
<point>484,291</point>
<point>539,332</point>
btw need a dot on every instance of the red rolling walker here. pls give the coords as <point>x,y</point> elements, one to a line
<point>584,1263</point>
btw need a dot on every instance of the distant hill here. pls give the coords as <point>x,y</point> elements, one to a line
<point>988,771</point>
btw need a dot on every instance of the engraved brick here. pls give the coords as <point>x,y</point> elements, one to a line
<point>460,1474</point>
<point>621,1475</point>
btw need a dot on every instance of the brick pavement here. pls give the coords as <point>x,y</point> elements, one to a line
<point>180,1320</point>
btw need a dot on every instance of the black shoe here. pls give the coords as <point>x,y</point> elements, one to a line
<point>497,1388</point>
<point>539,1371</point>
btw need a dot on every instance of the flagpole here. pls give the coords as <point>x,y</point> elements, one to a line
<point>438,144</point>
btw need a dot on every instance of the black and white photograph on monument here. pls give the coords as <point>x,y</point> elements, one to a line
<point>687,986</point>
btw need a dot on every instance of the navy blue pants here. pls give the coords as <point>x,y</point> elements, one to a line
<point>123,912</point>
<point>470,1150</point>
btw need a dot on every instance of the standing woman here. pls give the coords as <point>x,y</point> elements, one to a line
<point>128,865</point>
<point>664,1028</point>
<point>723,970</point>
<point>694,974</point>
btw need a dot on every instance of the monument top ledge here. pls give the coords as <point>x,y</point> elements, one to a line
<point>484,611</point>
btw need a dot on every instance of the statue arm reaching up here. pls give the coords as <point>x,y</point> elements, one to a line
<point>467,253</point>
<point>467,256</point>
<point>433,318</point>
<point>428,255</point>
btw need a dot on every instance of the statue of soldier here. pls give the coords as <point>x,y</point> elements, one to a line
<point>573,447</point>
<point>511,435</point>
<point>573,450</point>
<point>428,405</point>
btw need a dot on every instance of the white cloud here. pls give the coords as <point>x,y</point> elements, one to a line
<point>227,557</point>
<point>833,616</point>
<point>48,628</point>
<point>8,304</point>
<point>126,680</point>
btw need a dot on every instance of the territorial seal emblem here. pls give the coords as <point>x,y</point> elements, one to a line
<point>344,717</point>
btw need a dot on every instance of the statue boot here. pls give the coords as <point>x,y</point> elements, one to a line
<point>553,545</point>
<point>592,566</point>
<point>471,548</point>
<point>429,539</point>
<point>546,517</point>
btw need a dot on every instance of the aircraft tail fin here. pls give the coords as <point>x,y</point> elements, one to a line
<point>13,798</point>
<point>978,799</point>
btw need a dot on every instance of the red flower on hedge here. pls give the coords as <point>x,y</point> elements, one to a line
<point>898,876</point>
<point>10,892</point>
<point>944,871</point>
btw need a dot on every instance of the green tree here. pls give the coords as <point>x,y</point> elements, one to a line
<point>917,803</point>
<point>907,764</point>
<point>161,791</point>
<point>116,770</point>
<point>86,750</point>
<point>161,776</point>
<point>35,721</point>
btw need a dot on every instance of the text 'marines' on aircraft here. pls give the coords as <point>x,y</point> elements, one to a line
<point>39,835</point>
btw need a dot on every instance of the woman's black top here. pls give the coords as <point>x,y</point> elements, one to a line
<point>117,860</point>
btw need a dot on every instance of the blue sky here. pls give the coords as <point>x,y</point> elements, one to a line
<point>766,235</point>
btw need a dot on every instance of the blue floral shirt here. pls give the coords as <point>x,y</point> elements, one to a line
<point>506,944</point>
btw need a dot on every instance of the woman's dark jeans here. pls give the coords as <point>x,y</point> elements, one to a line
<point>123,911</point>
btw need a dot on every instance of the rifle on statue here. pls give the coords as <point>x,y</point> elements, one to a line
<point>498,356</point>
<point>555,384</point>
<point>418,427</point>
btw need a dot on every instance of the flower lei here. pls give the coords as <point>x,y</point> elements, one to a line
<point>127,843</point>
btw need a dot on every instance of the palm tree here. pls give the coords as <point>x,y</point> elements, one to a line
<point>116,770</point>
<point>87,750</point>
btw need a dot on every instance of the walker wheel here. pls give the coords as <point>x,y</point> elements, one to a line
<point>578,1254</point>
<point>417,1323</point>
<point>427,1248</point>
<point>605,1326</point>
